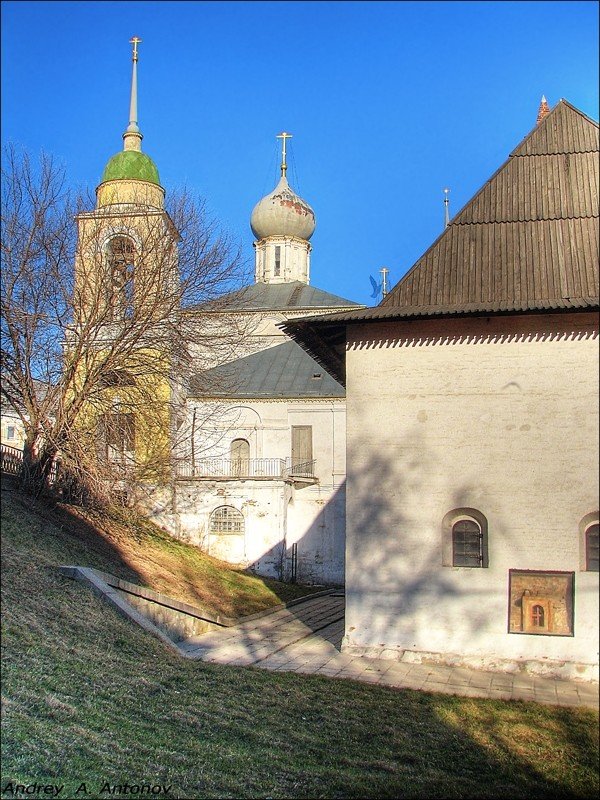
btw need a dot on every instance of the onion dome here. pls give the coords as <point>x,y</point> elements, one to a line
<point>282,213</point>
<point>131,165</point>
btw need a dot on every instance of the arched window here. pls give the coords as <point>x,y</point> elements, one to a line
<point>538,616</point>
<point>467,550</point>
<point>277,270</point>
<point>591,547</point>
<point>226,520</point>
<point>240,457</point>
<point>465,538</point>
<point>588,542</point>
<point>121,257</point>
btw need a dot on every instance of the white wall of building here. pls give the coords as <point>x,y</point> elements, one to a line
<point>500,415</point>
<point>12,429</point>
<point>277,513</point>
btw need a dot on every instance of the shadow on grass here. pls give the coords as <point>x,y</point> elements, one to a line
<point>89,696</point>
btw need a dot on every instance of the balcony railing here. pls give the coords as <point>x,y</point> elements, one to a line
<point>246,468</point>
<point>11,459</point>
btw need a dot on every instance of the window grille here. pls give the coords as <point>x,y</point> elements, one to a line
<point>119,435</point>
<point>467,544</point>
<point>538,616</point>
<point>226,520</point>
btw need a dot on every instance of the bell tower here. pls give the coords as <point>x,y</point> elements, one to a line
<point>126,260</point>
<point>126,297</point>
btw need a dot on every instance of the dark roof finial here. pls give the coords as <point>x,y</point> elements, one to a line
<point>543,110</point>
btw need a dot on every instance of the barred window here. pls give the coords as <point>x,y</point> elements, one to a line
<point>226,520</point>
<point>467,542</point>
<point>119,435</point>
<point>591,548</point>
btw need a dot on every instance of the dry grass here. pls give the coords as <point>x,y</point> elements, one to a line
<point>88,697</point>
<point>131,547</point>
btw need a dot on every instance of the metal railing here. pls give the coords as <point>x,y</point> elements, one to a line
<point>232,468</point>
<point>305,469</point>
<point>11,459</point>
<point>245,468</point>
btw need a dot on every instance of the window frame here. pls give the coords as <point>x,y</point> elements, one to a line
<point>477,535</point>
<point>237,517</point>
<point>277,262</point>
<point>453,517</point>
<point>588,557</point>
<point>121,292</point>
<point>585,524</point>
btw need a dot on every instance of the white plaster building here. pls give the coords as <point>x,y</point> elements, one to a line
<point>472,532</point>
<point>263,483</point>
<point>257,428</point>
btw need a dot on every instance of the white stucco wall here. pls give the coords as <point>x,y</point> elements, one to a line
<point>500,415</point>
<point>277,513</point>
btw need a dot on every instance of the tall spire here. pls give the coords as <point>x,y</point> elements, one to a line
<point>543,110</point>
<point>283,136</point>
<point>132,138</point>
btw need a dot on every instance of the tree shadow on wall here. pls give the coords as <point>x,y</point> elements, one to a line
<point>394,572</point>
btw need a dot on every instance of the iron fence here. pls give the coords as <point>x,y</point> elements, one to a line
<point>245,468</point>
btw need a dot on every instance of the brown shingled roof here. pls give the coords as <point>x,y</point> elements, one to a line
<point>526,242</point>
<point>530,235</point>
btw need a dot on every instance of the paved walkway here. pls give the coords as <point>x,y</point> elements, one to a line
<point>306,638</point>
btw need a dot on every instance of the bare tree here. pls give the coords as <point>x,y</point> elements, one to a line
<point>102,323</point>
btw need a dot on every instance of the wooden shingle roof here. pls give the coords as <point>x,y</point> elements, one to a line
<point>526,242</point>
<point>528,238</point>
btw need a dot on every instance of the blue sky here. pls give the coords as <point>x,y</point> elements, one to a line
<point>388,103</point>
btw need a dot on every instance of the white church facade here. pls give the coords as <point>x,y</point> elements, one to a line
<point>257,471</point>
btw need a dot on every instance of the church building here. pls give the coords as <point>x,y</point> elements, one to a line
<point>472,513</point>
<point>265,483</point>
<point>252,443</point>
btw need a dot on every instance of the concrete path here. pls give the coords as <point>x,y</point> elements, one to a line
<point>306,638</point>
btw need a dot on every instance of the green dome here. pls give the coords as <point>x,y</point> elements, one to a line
<point>131,165</point>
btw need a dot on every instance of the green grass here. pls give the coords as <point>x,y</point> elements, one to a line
<point>88,698</point>
<point>129,546</point>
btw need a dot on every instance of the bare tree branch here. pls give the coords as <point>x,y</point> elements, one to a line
<point>102,323</point>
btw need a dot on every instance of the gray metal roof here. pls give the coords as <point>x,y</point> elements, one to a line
<point>283,371</point>
<point>280,296</point>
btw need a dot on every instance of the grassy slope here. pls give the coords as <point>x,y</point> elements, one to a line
<point>87,697</point>
<point>131,547</point>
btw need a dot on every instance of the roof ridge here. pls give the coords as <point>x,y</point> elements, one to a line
<point>521,202</point>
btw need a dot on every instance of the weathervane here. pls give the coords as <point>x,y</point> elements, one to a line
<point>283,136</point>
<point>382,285</point>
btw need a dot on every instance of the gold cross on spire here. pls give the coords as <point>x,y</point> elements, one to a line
<point>283,136</point>
<point>135,41</point>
